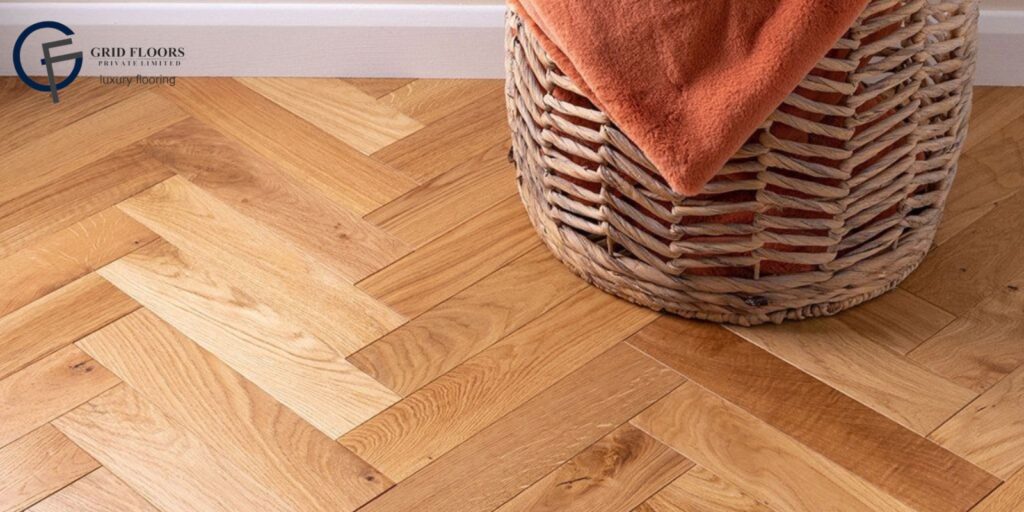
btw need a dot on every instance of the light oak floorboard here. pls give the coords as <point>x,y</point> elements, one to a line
<point>291,208</point>
<point>898,320</point>
<point>48,388</point>
<point>29,218</point>
<point>429,100</point>
<point>864,442</point>
<point>223,409</point>
<point>450,199</point>
<point>990,431</point>
<point>982,346</point>
<point>862,369</point>
<point>263,264</point>
<point>254,338</point>
<point>338,108</point>
<point>614,474</point>
<point>99,491</point>
<point>452,262</point>
<point>1009,497</point>
<point>37,465</point>
<point>378,87</point>
<point>23,170</point>
<point>356,181</point>
<point>58,319</point>
<point>701,490</point>
<point>459,404</point>
<point>67,255</point>
<point>430,345</point>
<point>774,468</point>
<point>166,464</point>
<point>536,438</point>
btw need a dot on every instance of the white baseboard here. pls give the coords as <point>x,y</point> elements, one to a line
<point>347,39</point>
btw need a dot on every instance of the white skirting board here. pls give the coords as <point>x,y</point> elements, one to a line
<point>395,39</point>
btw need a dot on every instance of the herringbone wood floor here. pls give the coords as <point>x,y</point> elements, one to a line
<point>289,294</point>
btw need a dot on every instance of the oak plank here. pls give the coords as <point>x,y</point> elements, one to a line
<point>223,409</point>
<point>449,199</point>
<point>166,464</point>
<point>429,100</point>
<point>22,170</point>
<point>338,108</point>
<point>614,474</point>
<point>535,438</point>
<point>58,319</point>
<point>1009,497</point>
<point>898,320</point>
<point>452,140</point>
<point>259,189</point>
<point>263,264</point>
<point>99,491</point>
<point>48,388</point>
<point>68,254</point>
<point>992,109</point>
<point>976,263</point>
<point>700,489</point>
<point>251,336</point>
<point>982,346</point>
<point>38,464</point>
<point>339,171</point>
<point>462,402</point>
<point>378,87</point>
<point>452,262</point>
<point>990,431</point>
<point>86,191</point>
<point>774,468</point>
<point>433,343</point>
<point>864,370</point>
<point>855,437</point>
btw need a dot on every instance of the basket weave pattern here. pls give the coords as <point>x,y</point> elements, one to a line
<point>834,200</point>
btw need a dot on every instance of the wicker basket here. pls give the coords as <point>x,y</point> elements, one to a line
<point>834,200</point>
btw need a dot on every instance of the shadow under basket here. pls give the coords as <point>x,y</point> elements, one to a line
<point>833,201</point>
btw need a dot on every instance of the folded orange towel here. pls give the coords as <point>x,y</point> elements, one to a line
<point>688,80</point>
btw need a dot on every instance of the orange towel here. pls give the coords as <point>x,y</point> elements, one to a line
<point>688,80</point>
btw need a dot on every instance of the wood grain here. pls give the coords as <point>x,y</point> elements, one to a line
<point>68,254</point>
<point>452,262</point>
<point>864,442</point>
<point>254,338</point>
<point>22,170</point>
<point>990,431</point>
<point>338,108</point>
<point>58,319</point>
<point>430,100</point>
<point>452,140</point>
<point>432,344</point>
<point>536,438</point>
<point>1009,497</point>
<point>775,469</point>
<point>701,490</point>
<point>99,491</point>
<point>291,208</point>
<point>983,258</point>
<point>616,473</point>
<point>341,172</point>
<point>862,369</point>
<point>265,265</point>
<point>48,388</point>
<point>165,463</point>
<point>898,320</point>
<point>201,393</point>
<point>449,199</point>
<point>26,220</point>
<point>38,464</point>
<point>457,405</point>
<point>982,346</point>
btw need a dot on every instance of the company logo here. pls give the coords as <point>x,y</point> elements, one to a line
<point>48,60</point>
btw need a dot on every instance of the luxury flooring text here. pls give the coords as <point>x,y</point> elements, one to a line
<point>304,295</point>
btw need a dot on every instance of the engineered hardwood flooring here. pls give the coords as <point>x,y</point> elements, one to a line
<point>323,294</point>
